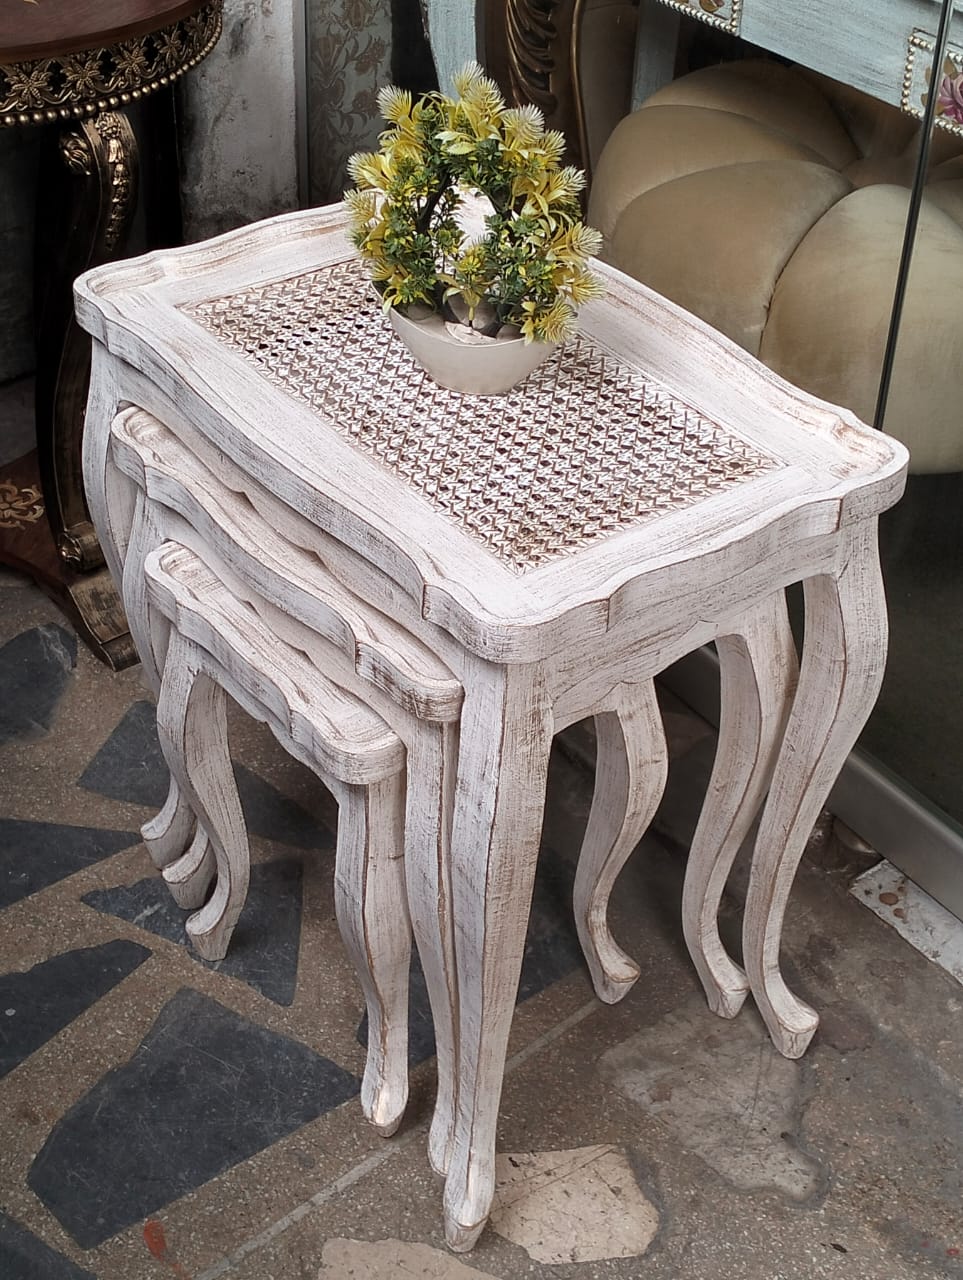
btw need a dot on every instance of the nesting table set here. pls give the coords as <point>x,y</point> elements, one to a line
<point>416,590</point>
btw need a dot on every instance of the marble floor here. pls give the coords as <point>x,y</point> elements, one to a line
<point>161,1116</point>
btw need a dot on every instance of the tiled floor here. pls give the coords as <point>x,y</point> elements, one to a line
<point>160,1116</point>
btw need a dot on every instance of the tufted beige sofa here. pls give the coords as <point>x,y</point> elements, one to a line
<point>772,202</point>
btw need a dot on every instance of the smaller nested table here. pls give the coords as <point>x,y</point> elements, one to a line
<point>77,68</point>
<point>648,489</point>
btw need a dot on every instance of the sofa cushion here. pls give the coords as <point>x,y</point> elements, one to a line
<point>772,203</point>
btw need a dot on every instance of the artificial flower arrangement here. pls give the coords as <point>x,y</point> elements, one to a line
<point>466,212</point>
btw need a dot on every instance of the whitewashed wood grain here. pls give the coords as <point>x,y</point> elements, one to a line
<point>188,875</point>
<point>363,646</point>
<point>506,734</point>
<point>842,670</point>
<point>110,498</point>
<point>332,728</point>
<point>192,729</point>
<point>759,668</point>
<point>175,828</point>
<point>370,903</point>
<point>830,466</point>
<point>113,501</point>
<point>632,762</point>
<point>246,539</point>
<point>432,750</point>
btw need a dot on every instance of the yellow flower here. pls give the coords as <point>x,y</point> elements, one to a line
<point>553,146</point>
<point>368,169</point>
<point>523,127</point>
<point>583,287</point>
<point>362,206</point>
<point>394,104</point>
<point>582,241</point>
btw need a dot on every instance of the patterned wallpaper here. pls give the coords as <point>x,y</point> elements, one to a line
<point>354,47</point>
<point>349,58</point>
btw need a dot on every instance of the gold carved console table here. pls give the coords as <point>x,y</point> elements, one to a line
<point>80,65</point>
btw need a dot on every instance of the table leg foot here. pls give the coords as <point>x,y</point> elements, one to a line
<point>758,673</point>
<point>370,904</point>
<point>170,831</point>
<point>844,655</point>
<point>189,877</point>
<point>630,773</point>
<point>192,728</point>
<point>462,1239</point>
<point>790,1021</point>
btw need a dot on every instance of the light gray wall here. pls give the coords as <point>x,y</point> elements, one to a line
<point>239,120</point>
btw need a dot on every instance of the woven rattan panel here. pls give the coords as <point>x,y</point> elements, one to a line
<point>585,447</point>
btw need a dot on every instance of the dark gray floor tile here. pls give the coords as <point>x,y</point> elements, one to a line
<point>34,855</point>
<point>552,948</point>
<point>203,1091</point>
<point>24,1257</point>
<point>35,668</point>
<point>552,951</point>
<point>265,945</point>
<point>37,1004</point>
<point>130,767</point>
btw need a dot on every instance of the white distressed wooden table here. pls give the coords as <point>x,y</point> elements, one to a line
<point>160,490</point>
<point>217,644</point>
<point>647,490</point>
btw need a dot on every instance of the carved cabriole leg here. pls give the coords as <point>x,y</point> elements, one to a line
<point>127,534</point>
<point>192,727</point>
<point>110,495</point>
<point>506,736</point>
<point>149,628</point>
<point>630,773</point>
<point>168,835</point>
<point>189,876</point>
<point>432,763</point>
<point>370,903</point>
<point>759,671</point>
<point>86,199</point>
<point>844,655</point>
<point>111,498</point>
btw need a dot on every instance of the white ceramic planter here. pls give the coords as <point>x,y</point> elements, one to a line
<point>476,369</point>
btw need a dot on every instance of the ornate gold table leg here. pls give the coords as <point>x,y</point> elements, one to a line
<point>86,197</point>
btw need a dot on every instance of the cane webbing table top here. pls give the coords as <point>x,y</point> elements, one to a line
<point>584,448</point>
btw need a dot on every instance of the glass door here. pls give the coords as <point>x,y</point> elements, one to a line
<point>913,737</point>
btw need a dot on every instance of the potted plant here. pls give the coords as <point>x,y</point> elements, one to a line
<point>473,231</point>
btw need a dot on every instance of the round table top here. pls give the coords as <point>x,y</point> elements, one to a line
<point>67,58</point>
<point>51,28</point>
